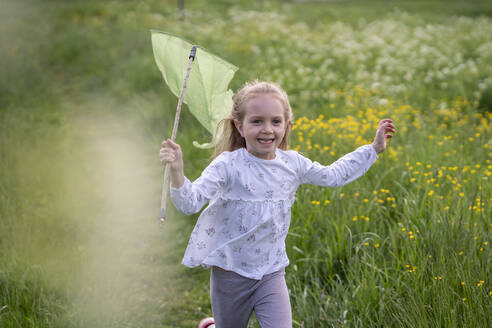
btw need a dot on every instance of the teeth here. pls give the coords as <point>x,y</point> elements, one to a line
<point>265,140</point>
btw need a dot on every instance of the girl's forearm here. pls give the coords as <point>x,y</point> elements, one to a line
<point>377,147</point>
<point>177,177</point>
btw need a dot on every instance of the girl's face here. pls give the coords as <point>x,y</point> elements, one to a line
<point>263,126</point>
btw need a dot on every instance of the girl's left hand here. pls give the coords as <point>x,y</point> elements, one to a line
<point>385,127</point>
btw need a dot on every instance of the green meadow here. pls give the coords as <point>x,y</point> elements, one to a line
<point>83,110</point>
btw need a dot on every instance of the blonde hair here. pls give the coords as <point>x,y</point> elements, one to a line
<point>231,139</point>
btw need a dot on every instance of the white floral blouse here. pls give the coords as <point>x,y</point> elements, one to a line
<point>243,229</point>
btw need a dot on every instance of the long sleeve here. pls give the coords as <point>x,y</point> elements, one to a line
<point>346,169</point>
<point>192,196</point>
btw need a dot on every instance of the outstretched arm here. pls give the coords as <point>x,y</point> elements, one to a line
<point>345,170</point>
<point>349,167</point>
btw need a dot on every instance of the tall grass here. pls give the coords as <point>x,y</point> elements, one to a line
<point>407,244</point>
<point>83,110</point>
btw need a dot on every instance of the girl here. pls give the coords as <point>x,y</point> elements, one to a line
<point>250,187</point>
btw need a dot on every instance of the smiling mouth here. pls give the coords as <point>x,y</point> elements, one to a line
<point>265,141</point>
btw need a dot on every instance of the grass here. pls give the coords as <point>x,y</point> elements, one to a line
<point>83,110</point>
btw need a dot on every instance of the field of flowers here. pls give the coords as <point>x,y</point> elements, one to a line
<point>407,245</point>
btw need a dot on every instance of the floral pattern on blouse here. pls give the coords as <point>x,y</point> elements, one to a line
<point>244,226</point>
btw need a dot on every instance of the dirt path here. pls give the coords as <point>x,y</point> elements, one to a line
<point>130,273</point>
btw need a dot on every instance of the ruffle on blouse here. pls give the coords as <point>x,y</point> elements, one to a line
<point>182,195</point>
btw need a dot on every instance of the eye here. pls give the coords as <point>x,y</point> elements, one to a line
<point>276,122</point>
<point>256,121</point>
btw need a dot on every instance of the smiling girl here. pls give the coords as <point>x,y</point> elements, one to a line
<point>250,187</point>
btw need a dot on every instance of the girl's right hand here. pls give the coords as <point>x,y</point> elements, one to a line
<point>171,154</point>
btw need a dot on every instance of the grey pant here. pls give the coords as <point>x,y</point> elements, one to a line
<point>235,297</point>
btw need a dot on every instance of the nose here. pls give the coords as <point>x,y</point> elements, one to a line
<point>267,128</point>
